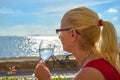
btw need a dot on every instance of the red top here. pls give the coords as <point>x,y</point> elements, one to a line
<point>108,71</point>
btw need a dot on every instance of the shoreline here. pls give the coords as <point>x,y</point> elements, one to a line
<point>19,59</point>
<point>27,63</point>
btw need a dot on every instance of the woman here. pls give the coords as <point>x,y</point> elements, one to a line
<point>92,41</point>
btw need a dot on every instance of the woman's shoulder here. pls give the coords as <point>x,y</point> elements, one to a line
<point>104,67</point>
<point>89,73</point>
<point>101,64</point>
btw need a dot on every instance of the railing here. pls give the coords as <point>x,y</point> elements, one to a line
<point>67,61</point>
<point>62,62</point>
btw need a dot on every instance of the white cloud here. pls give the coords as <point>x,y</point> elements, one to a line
<point>5,10</point>
<point>112,10</point>
<point>69,6</point>
<point>22,30</point>
<point>115,18</point>
<point>55,8</point>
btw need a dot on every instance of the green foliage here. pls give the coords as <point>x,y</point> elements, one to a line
<point>55,77</point>
<point>60,77</point>
<point>8,78</point>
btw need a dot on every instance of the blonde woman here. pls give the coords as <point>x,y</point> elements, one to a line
<point>92,41</point>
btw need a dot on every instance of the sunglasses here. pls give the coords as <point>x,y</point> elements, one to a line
<point>58,31</point>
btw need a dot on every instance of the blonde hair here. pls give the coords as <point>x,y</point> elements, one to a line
<point>87,21</point>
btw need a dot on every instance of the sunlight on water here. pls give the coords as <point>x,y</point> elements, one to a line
<point>15,46</point>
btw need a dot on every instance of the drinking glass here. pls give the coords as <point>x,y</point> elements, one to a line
<point>46,49</point>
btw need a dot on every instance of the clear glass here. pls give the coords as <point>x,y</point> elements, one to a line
<point>46,49</point>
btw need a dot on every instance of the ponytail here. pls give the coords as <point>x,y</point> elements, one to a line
<point>109,44</point>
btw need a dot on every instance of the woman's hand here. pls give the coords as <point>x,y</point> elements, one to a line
<point>42,72</point>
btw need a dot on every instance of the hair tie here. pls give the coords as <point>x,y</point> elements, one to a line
<point>100,22</point>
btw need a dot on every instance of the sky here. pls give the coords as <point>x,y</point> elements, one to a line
<point>42,17</point>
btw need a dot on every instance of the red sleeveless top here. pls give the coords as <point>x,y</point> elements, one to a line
<point>108,71</point>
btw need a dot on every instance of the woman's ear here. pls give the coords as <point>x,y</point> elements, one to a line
<point>74,35</point>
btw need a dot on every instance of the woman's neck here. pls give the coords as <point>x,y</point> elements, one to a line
<point>80,54</point>
<point>84,57</point>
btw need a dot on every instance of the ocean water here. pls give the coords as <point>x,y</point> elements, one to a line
<point>19,46</point>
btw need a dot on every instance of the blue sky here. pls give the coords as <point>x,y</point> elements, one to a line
<point>42,17</point>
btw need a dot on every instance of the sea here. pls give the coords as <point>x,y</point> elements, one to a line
<point>27,46</point>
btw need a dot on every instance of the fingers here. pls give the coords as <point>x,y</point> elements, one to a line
<point>39,68</point>
<point>41,64</point>
<point>42,72</point>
